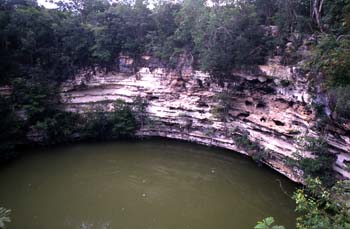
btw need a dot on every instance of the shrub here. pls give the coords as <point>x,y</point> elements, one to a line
<point>59,128</point>
<point>260,155</point>
<point>268,224</point>
<point>321,207</point>
<point>244,142</point>
<point>221,110</point>
<point>332,57</point>
<point>123,120</point>
<point>319,167</point>
<point>120,123</point>
<point>340,102</point>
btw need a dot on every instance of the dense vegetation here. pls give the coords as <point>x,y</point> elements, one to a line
<point>40,48</point>
<point>321,166</point>
<point>318,207</point>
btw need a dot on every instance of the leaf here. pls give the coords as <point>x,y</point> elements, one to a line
<point>268,221</point>
<point>261,225</point>
<point>266,224</point>
<point>278,227</point>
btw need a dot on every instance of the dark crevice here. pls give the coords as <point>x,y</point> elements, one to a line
<point>243,114</point>
<point>248,103</point>
<point>278,123</point>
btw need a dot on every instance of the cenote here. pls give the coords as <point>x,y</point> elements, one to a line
<point>142,184</point>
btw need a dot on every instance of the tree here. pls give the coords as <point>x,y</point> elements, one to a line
<point>336,16</point>
<point>161,42</point>
<point>317,6</point>
<point>84,9</point>
<point>137,24</point>
<point>293,16</point>
<point>230,37</point>
<point>266,10</point>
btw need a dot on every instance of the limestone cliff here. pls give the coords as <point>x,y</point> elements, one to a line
<point>271,106</point>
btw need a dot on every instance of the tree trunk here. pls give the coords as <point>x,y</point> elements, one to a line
<point>317,9</point>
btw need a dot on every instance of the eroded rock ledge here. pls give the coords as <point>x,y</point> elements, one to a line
<point>271,106</point>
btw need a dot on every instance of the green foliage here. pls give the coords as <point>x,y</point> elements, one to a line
<point>224,104</point>
<point>230,37</point>
<point>176,27</point>
<point>340,103</point>
<point>260,155</point>
<point>332,57</point>
<point>97,126</point>
<point>102,125</point>
<point>139,108</point>
<point>299,15</point>
<point>219,38</point>
<point>161,40</point>
<point>254,149</point>
<point>65,127</point>
<point>267,223</point>
<point>34,97</point>
<point>40,48</point>
<point>322,121</point>
<point>321,166</point>
<point>9,129</point>
<point>123,121</point>
<point>337,16</point>
<point>321,207</point>
<point>244,142</point>
<point>59,128</point>
<point>293,16</point>
<point>4,217</point>
<point>85,33</point>
<point>266,10</point>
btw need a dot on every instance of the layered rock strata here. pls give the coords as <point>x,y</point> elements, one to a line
<point>270,107</point>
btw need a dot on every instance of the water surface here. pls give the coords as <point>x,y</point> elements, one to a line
<point>158,184</point>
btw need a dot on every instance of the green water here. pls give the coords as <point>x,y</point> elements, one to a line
<point>158,184</point>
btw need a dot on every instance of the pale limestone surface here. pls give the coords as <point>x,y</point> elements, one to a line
<point>180,105</point>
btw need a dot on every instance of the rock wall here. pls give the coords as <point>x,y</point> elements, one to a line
<point>271,106</point>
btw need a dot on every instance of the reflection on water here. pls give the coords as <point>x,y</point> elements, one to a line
<point>158,184</point>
